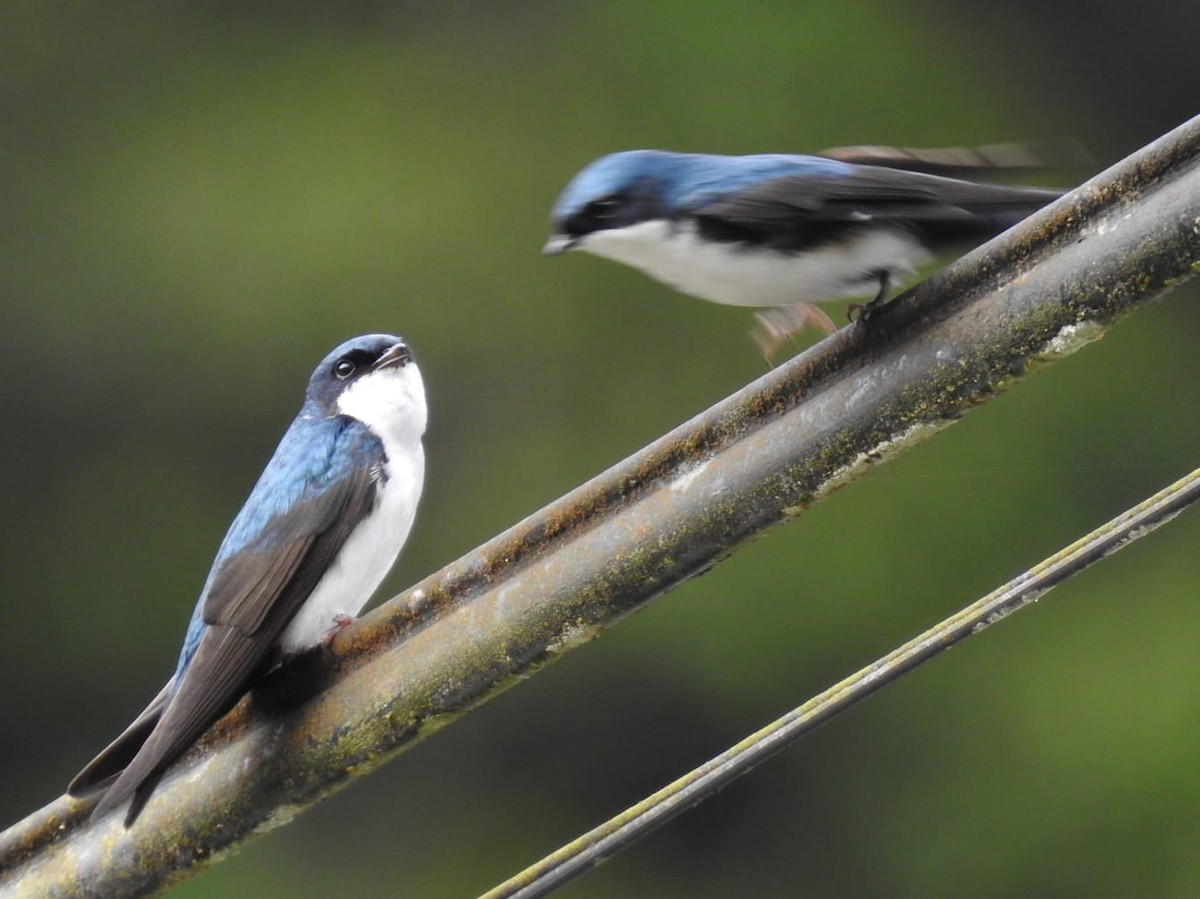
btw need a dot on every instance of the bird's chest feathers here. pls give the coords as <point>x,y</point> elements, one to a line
<point>738,274</point>
<point>368,553</point>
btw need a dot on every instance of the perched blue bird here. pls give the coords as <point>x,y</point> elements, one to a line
<point>317,535</point>
<point>787,231</point>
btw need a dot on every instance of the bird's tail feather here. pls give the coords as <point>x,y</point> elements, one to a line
<point>101,771</point>
<point>968,162</point>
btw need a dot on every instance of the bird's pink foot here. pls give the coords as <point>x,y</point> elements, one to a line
<point>778,325</point>
<point>340,623</point>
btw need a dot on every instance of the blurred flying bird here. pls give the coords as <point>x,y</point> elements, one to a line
<point>787,231</point>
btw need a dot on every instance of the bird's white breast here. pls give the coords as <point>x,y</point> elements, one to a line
<point>738,275</point>
<point>392,403</point>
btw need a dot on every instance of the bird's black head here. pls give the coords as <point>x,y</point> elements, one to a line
<point>637,202</point>
<point>615,191</point>
<point>350,363</point>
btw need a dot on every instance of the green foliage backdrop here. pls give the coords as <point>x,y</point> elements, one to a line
<point>198,200</point>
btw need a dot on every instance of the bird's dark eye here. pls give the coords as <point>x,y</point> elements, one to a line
<point>604,208</point>
<point>344,368</point>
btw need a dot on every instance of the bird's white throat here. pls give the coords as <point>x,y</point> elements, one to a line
<point>391,402</point>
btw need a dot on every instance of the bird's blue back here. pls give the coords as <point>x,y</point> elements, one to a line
<point>688,180</point>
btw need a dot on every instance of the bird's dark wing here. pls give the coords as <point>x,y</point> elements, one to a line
<point>251,599</point>
<point>796,211</point>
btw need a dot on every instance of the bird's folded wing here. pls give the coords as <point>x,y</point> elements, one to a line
<point>271,577</point>
<point>868,194</point>
<point>251,599</point>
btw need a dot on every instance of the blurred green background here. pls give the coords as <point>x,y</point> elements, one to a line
<point>198,200</point>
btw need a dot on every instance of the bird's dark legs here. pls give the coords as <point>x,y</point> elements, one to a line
<point>863,311</point>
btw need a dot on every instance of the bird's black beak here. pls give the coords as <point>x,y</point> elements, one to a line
<point>559,243</point>
<point>398,356</point>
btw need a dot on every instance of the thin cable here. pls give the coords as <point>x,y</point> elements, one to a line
<point>699,784</point>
